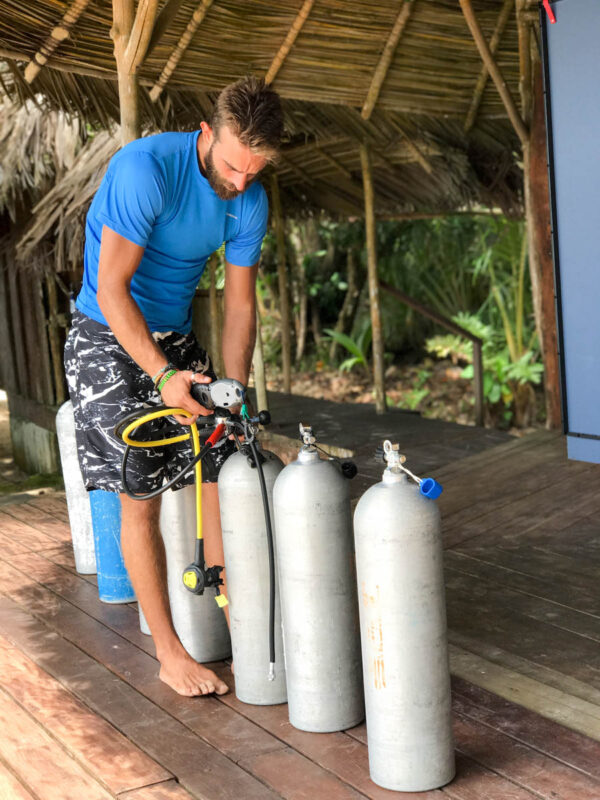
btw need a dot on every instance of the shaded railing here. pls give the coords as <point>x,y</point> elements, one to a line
<point>451,326</point>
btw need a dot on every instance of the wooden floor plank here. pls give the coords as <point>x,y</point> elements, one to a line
<point>569,747</point>
<point>39,761</point>
<point>524,689</point>
<point>339,753</point>
<point>24,534</point>
<point>478,783</point>
<point>10,787</point>
<point>40,520</point>
<point>201,769</point>
<point>491,484</point>
<point>297,778</point>
<point>518,763</point>
<point>95,744</point>
<point>170,790</point>
<point>54,503</point>
<point>121,618</point>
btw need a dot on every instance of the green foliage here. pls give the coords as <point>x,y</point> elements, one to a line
<point>357,347</point>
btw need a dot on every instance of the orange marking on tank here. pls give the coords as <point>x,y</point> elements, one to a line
<point>375,635</point>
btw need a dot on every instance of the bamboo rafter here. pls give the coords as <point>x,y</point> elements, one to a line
<point>289,40</point>
<point>58,34</point>
<point>418,155</point>
<point>181,47</point>
<point>383,66</point>
<point>482,80</point>
<point>525,79</point>
<point>335,163</point>
<point>494,70</point>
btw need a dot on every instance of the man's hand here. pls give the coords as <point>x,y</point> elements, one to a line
<point>176,394</point>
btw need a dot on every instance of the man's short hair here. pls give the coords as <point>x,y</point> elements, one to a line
<point>252,112</point>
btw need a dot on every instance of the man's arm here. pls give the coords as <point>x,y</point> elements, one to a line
<point>239,325</point>
<point>119,259</point>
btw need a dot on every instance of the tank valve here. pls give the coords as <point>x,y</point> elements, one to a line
<point>306,433</point>
<point>395,460</point>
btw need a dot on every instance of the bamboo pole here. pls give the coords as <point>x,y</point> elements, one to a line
<point>123,16</point>
<point>383,66</point>
<point>525,78</point>
<point>378,371</point>
<point>58,34</point>
<point>289,40</point>
<point>503,17</point>
<point>494,70</point>
<point>418,155</point>
<point>180,48</point>
<point>284,305</point>
<point>54,339</point>
<point>215,317</point>
<point>260,376</point>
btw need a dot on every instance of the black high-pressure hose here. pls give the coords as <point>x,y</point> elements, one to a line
<point>120,427</point>
<point>271,548</point>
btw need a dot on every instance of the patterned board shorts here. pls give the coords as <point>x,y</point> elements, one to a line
<point>105,384</point>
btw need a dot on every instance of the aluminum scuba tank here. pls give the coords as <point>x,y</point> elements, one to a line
<point>78,501</point>
<point>198,621</point>
<point>248,585</point>
<point>403,631</point>
<point>313,532</point>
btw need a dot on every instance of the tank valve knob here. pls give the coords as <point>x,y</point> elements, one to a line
<point>264,417</point>
<point>430,488</point>
<point>349,469</point>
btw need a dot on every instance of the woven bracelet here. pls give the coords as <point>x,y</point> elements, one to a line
<point>161,372</point>
<point>165,378</point>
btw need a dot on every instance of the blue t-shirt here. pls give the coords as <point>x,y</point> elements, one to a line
<point>154,195</point>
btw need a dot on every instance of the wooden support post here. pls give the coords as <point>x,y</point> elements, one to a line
<point>537,207</point>
<point>123,16</point>
<point>496,75</point>
<point>383,66</point>
<point>284,303</point>
<point>289,40</point>
<point>503,17</point>
<point>58,34</point>
<point>215,317</point>
<point>54,338</point>
<point>131,33</point>
<point>378,371</point>
<point>258,363</point>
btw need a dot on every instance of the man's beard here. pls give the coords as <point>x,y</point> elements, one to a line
<point>222,188</point>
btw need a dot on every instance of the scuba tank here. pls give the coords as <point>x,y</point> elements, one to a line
<point>197,619</point>
<point>246,551</point>
<point>313,533</point>
<point>403,630</point>
<point>78,501</point>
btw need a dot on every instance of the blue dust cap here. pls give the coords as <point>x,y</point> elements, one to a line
<point>431,488</point>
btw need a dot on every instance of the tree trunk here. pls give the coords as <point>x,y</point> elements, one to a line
<point>348,308</point>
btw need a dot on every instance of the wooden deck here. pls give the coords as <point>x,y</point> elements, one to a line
<point>85,716</point>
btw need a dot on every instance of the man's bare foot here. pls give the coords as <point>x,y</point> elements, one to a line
<point>187,677</point>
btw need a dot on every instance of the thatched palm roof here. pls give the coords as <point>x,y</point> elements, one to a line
<point>424,159</point>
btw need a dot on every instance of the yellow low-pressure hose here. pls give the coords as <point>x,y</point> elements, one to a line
<point>195,436</point>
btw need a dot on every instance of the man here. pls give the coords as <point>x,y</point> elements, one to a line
<point>165,204</point>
